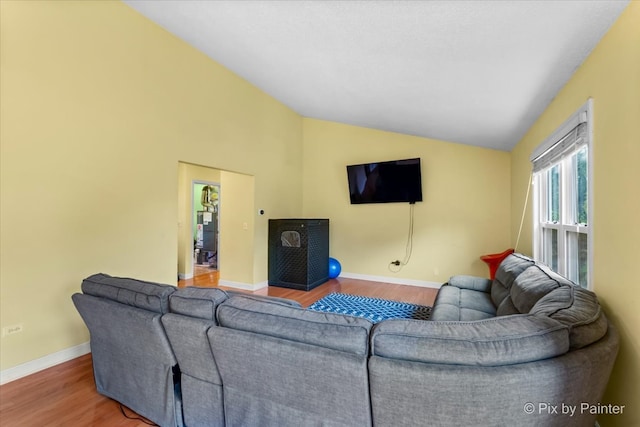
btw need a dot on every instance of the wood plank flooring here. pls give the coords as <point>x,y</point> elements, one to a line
<point>396,292</point>
<point>65,395</point>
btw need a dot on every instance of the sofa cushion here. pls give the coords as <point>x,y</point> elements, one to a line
<point>532,284</point>
<point>507,272</point>
<point>276,319</point>
<point>197,302</point>
<point>491,342</point>
<point>576,308</point>
<point>473,283</point>
<point>453,303</point>
<point>137,293</point>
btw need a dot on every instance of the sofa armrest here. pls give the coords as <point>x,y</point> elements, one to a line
<point>473,283</point>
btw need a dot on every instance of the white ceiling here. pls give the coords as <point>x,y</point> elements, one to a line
<point>472,72</point>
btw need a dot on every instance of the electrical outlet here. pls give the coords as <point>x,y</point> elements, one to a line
<point>10,330</point>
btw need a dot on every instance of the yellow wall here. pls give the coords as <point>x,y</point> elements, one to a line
<point>98,106</point>
<point>611,76</point>
<point>465,212</point>
<point>237,229</point>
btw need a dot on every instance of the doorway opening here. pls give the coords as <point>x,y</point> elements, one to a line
<point>205,222</point>
<point>232,262</point>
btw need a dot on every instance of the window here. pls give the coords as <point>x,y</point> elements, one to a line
<point>562,182</point>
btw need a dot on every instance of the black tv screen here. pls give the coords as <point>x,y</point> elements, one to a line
<point>393,181</point>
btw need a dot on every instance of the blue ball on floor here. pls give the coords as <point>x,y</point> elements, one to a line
<point>334,268</point>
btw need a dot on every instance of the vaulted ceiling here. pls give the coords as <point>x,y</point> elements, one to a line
<point>472,72</point>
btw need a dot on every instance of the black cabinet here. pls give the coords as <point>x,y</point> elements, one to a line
<point>207,237</point>
<point>298,253</point>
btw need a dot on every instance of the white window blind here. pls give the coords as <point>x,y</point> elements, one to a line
<point>554,149</point>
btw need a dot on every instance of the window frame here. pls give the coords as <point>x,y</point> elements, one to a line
<point>568,202</point>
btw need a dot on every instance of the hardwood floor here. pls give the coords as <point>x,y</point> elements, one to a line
<point>65,395</point>
<point>405,293</point>
<point>206,279</point>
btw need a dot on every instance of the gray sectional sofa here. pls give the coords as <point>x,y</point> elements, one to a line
<point>507,352</point>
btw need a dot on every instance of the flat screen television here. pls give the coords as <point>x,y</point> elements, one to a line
<point>395,181</point>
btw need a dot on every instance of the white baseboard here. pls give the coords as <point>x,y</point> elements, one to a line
<point>244,286</point>
<point>186,276</point>
<point>42,363</point>
<point>394,280</point>
<point>260,285</point>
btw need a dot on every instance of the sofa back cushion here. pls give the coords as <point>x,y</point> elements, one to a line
<point>532,284</point>
<point>280,320</point>
<point>197,302</point>
<point>509,269</point>
<point>577,308</point>
<point>498,341</point>
<point>137,293</point>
